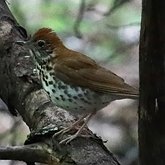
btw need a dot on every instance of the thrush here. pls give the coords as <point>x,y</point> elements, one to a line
<point>73,80</point>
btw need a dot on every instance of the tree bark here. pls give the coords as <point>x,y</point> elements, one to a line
<point>152,83</point>
<point>21,91</point>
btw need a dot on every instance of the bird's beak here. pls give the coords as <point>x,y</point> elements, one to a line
<point>21,43</point>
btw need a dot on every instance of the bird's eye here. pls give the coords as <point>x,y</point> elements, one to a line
<point>41,43</point>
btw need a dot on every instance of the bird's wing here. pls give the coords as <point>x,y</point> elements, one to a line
<point>83,71</point>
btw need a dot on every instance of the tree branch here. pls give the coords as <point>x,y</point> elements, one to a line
<point>116,5</point>
<point>117,27</point>
<point>79,19</point>
<point>25,153</point>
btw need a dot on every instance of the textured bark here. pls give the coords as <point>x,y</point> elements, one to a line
<point>21,91</point>
<point>152,84</point>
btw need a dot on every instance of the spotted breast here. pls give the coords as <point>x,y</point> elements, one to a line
<point>76,99</point>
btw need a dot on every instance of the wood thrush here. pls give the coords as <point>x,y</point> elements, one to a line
<point>74,81</point>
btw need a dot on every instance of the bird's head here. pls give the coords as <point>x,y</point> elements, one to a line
<point>43,45</point>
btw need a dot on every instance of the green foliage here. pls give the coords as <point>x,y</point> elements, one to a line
<point>61,15</point>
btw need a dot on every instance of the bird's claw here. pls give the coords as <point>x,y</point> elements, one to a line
<point>63,131</point>
<point>68,139</point>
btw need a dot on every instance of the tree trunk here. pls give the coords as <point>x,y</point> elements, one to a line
<point>152,83</point>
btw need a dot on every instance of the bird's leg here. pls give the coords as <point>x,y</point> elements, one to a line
<point>70,138</point>
<point>67,129</point>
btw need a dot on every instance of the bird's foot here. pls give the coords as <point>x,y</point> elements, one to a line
<point>77,134</point>
<point>65,130</point>
<point>68,139</point>
<point>86,134</point>
<point>75,128</point>
<point>72,127</point>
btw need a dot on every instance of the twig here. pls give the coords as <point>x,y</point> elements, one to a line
<point>116,5</point>
<point>33,153</point>
<point>116,27</point>
<point>79,19</point>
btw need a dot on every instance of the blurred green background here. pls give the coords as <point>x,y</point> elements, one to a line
<point>109,31</point>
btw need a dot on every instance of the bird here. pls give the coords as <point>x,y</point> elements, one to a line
<point>74,81</point>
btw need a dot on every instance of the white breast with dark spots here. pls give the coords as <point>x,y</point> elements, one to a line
<point>73,98</point>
